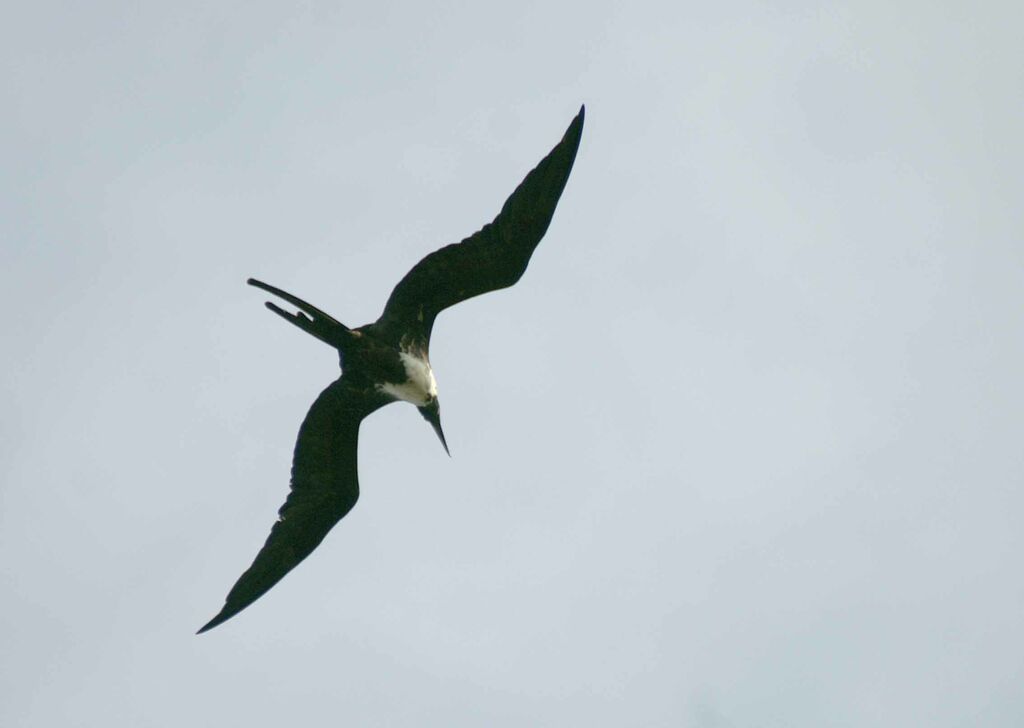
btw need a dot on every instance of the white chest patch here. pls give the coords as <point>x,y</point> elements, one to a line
<point>419,387</point>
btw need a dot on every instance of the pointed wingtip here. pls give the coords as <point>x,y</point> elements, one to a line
<point>222,616</point>
<point>578,121</point>
<point>208,626</point>
<point>575,131</point>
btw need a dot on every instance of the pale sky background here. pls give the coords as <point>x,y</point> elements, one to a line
<point>743,447</point>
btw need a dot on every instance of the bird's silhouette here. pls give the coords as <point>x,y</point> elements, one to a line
<point>388,361</point>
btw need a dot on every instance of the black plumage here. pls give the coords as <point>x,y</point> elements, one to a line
<point>376,361</point>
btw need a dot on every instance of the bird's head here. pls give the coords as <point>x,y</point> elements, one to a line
<point>431,412</point>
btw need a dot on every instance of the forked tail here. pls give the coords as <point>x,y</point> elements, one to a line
<point>309,318</point>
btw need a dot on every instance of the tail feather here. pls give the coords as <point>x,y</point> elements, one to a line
<point>309,318</point>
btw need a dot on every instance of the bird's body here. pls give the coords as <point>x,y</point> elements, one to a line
<point>388,361</point>
<point>419,387</point>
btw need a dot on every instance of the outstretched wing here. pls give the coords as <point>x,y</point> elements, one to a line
<point>494,257</point>
<point>324,484</point>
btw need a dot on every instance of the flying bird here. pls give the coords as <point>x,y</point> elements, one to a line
<point>388,361</point>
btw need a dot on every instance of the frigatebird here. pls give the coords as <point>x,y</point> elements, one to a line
<point>387,361</point>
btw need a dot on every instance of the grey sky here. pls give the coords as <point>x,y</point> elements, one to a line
<point>743,447</point>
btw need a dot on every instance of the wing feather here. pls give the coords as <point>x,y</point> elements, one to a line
<point>324,487</point>
<point>494,257</point>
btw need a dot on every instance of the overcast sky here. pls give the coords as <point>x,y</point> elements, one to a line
<point>742,448</point>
